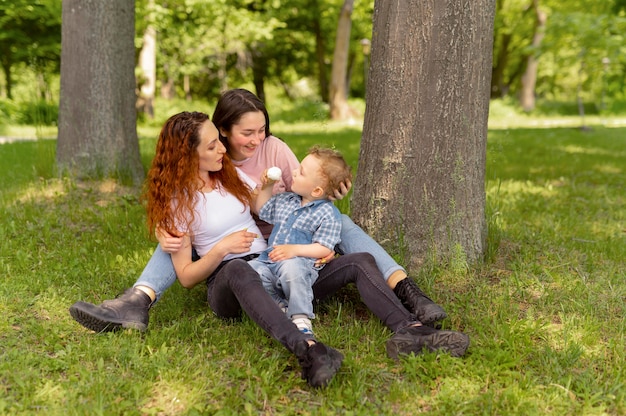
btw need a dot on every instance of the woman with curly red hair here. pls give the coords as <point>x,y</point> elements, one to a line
<point>195,191</point>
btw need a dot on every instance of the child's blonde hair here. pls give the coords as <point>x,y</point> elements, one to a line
<point>333,166</point>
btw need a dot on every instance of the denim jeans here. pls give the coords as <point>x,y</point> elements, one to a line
<point>159,273</point>
<point>235,287</point>
<point>362,270</point>
<point>289,283</point>
<point>355,240</point>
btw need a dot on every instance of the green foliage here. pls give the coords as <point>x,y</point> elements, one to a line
<point>38,113</point>
<point>215,45</point>
<point>544,312</point>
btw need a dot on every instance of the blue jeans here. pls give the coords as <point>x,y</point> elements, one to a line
<point>355,240</point>
<point>289,283</point>
<point>235,287</point>
<point>159,273</point>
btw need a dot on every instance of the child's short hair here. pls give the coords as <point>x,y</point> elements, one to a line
<point>333,168</point>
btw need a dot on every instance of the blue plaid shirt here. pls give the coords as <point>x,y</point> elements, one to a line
<point>316,222</point>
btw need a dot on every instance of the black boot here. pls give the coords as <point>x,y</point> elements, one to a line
<point>416,302</point>
<point>417,339</point>
<point>319,363</point>
<point>130,310</point>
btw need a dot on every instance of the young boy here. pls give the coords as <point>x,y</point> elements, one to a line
<point>306,228</point>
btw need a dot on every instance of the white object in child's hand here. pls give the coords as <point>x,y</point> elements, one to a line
<point>274,173</point>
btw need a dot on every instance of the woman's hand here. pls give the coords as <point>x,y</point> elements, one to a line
<point>169,243</point>
<point>238,242</point>
<point>343,190</point>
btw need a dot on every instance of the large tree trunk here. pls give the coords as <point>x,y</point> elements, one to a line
<point>97,117</point>
<point>529,79</point>
<point>422,162</point>
<point>339,108</point>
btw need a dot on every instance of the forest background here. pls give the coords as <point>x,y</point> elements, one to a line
<point>549,57</point>
<point>545,312</point>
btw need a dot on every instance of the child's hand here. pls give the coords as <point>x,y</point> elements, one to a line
<point>270,176</point>
<point>283,252</point>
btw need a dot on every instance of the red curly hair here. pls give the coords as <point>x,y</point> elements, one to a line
<point>173,175</point>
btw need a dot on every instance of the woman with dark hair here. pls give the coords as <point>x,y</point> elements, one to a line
<point>195,192</point>
<point>244,128</point>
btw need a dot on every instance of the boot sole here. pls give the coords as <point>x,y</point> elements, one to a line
<point>455,343</point>
<point>97,324</point>
<point>433,313</point>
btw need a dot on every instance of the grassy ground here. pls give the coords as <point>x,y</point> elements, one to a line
<point>545,313</point>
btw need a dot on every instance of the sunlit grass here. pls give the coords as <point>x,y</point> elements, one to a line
<point>545,313</point>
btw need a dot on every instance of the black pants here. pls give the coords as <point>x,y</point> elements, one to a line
<point>235,286</point>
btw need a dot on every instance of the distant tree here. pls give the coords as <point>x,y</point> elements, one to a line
<point>529,79</point>
<point>97,117</point>
<point>339,108</point>
<point>30,34</point>
<point>147,65</point>
<point>421,169</point>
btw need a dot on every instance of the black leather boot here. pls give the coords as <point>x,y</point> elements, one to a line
<point>417,339</point>
<point>319,363</point>
<point>130,310</point>
<point>416,302</point>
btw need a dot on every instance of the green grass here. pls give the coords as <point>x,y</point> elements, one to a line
<point>545,313</point>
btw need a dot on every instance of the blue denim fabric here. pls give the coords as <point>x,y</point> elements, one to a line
<point>159,273</point>
<point>236,287</point>
<point>289,283</point>
<point>355,240</point>
<point>318,221</point>
<point>361,270</point>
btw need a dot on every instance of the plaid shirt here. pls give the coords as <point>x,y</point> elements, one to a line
<point>316,222</point>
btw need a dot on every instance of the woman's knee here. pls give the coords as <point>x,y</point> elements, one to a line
<point>363,260</point>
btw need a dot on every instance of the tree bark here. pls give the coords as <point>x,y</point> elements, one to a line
<point>421,170</point>
<point>338,100</point>
<point>97,116</point>
<point>529,79</point>
<point>147,64</point>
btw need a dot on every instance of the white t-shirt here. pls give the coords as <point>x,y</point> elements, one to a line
<point>218,214</point>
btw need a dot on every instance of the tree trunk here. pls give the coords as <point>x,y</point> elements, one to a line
<point>97,117</point>
<point>259,70</point>
<point>6,67</point>
<point>168,90</point>
<point>147,64</point>
<point>529,79</point>
<point>338,100</point>
<point>421,170</point>
<point>499,89</point>
<point>320,53</point>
